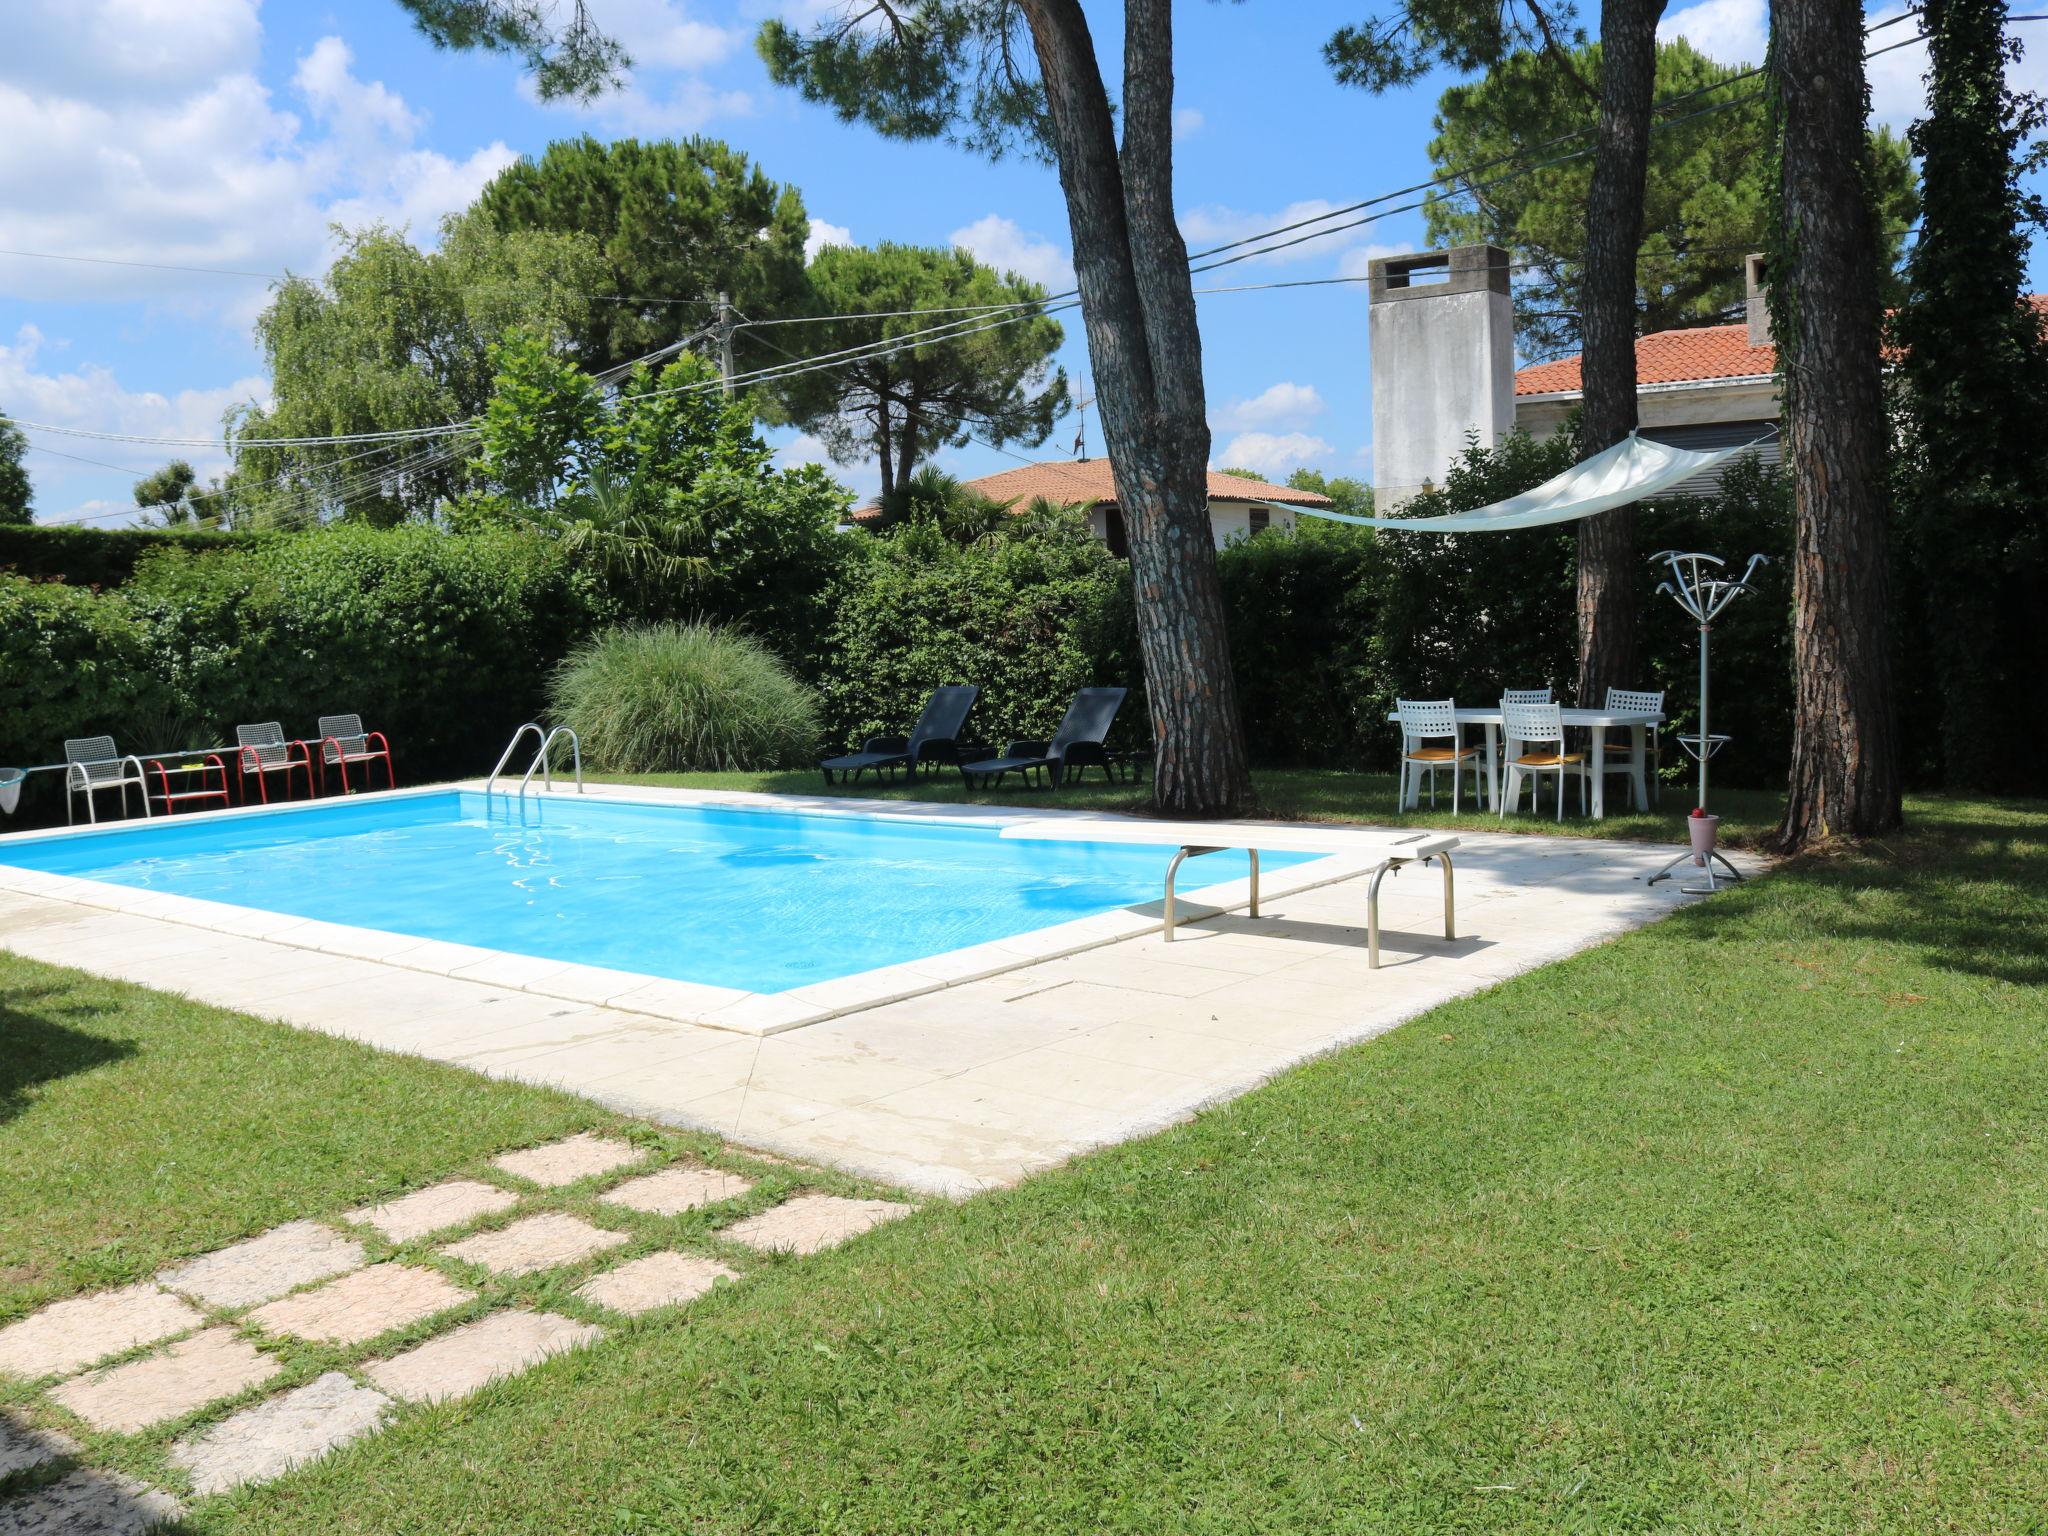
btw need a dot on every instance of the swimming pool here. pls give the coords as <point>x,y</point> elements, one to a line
<point>753,900</point>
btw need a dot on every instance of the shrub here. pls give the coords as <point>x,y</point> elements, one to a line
<point>442,643</point>
<point>682,698</point>
<point>1029,619</point>
<point>99,557</point>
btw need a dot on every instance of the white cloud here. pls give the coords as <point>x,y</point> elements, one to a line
<point>661,34</point>
<point>822,235</point>
<point>1283,405</point>
<point>1004,245</point>
<point>197,164</point>
<point>863,479</point>
<point>91,396</point>
<point>1731,32</point>
<point>650,109</point>
<point>1274,455</point>
<point>1358,260</point>
<point>1214,224</point>
<point>1187,122</point>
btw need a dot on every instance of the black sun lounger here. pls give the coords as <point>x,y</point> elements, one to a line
<point>1075,746</point>
<point>933,742</point>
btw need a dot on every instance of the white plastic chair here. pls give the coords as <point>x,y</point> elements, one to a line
<point>1537,732</point>
<point>1526,696</point>
<point>1638,702</point>
<point>92,764</point>
<point>1426,720</point>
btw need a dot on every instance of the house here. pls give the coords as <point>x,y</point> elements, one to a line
<point>1233,500</point>
<point>1441,324</point>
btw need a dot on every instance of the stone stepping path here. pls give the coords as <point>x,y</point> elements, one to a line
<point>308,1281</point>
<point>473,1356</point>
<point>22,1446</point>
<point>456,1203</point>
<point>569,1162</point>
<point>676,1190</point>
<point>73,1334</point>
<point>167,1385</point>
<point>654,1281</point>
<point>289,1430</point>
<point>89,1503</point>
<point>264,1268</point>
<point>534,1243</point>
<point>813,1223</point>
<point>358,1307</point>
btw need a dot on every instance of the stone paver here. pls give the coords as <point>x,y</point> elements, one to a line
<point>564,1162</point>
<point>293,1428</point>
<point>187,1375</point>
<point>810,1223</point>
<point>471,1357</point>
<point>362,1305</point>
<point>264,1268</point>
<point>535,1243</point>
<point>73,1334</point>
<point>657,1280</point>
<point>675,1190</point>
<point>89,1503</point>
<point>455,1203</point>
<point>23,1446</point>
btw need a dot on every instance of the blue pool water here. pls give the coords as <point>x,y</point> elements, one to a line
<point>758,900</point>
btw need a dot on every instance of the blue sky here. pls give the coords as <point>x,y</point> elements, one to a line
<point>232,133</point>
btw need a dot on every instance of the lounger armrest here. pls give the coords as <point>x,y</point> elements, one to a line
<point>1028,749</point>
<point>944,748</point>
<point>886,744</point>
<point>1079,754</point>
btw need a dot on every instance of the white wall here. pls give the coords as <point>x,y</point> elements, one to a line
<point>1227,520</point>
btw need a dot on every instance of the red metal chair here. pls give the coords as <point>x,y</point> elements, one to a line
<point>262,750</point>
<point>343,741</point>
<point>205,779</point>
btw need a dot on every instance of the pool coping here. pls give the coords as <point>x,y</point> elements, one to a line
<point>724,1008</point>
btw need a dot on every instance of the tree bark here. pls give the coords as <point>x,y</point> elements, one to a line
<point>1825,316</point>
<point>1610,573</point>
<point>1138,308</point>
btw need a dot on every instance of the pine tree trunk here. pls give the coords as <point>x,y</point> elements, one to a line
<point>1825,316</point>
<point>1138,308</point>
<point>1611,576</point>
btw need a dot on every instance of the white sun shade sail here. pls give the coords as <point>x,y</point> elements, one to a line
<point>1632,469</point>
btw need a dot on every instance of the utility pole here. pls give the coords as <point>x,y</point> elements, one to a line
<point>725,327</point>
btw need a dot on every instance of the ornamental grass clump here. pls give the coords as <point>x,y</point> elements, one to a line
<point>684,698</point>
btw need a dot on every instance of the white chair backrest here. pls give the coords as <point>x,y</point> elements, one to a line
<point>1526,696</point>
<point>1635,701</point>
<point>265,743</point>
<point>1524,721</point>
<point>1425,718</point>
<point>94,756</point>
<point>343,732</point>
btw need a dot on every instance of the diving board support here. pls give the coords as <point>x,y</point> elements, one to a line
<point>1193,852</point>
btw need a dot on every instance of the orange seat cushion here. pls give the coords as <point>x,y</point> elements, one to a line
<point>1441,754</point>
<point>1549,759</point>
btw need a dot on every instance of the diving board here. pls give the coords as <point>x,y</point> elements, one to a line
<point>1380,851</point>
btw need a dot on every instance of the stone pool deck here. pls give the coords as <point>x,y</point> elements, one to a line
<point>977,1083</point>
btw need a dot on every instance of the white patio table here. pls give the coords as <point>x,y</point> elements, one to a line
<point>1598,721</point>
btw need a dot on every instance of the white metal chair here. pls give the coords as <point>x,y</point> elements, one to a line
<point>91,764</point>
<point>1640,702</point>
<point>1426,720</point>
<point>1537,734</point>
<point>1526,696</point>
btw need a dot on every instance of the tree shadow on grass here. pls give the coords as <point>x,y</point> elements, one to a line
<point>44,1037</point>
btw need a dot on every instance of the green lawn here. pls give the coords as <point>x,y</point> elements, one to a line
<point>1736,1223</point>
<point>1296,794</point>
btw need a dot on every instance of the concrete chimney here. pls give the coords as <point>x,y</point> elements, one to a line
<point>1442,329</point>
<point>1758,296</point>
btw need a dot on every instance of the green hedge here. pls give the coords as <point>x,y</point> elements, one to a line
<point>1028,620</point>
<point>99,557</point>
<point>445,644</point>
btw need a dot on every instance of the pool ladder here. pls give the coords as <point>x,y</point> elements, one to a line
<point>541,758</point>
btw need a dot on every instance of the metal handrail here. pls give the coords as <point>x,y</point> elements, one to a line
<point>540,761</point>
<point>511,747</point>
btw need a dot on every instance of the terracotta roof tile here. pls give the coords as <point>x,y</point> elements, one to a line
<point>1667,357</point>
<point>1087,482</point>
<point>1696,355</point>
